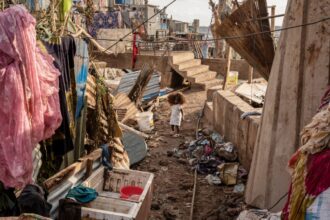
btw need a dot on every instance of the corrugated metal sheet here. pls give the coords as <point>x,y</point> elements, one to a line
<point>128,80</point>
<point>135,146</point>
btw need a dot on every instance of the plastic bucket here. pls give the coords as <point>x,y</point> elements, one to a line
<point>145,121</point>
<point>129,192</point>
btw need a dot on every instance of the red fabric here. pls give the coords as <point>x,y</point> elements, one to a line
<point>135,50</point>
<point>325,99</point>
<point>286,209</point>
<point>317,178</point>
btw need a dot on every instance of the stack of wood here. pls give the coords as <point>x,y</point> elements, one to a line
<point>102,124</point>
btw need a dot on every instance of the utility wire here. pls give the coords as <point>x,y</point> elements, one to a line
<point>215,39</point>
<point>134,29</point>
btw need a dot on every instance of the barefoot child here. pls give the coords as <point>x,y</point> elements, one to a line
<point>176,101</point>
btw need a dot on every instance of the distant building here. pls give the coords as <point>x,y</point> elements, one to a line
<point>178,26</point>
<point>195,26</point>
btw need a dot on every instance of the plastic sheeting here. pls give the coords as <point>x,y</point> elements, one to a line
<point>30,109</point>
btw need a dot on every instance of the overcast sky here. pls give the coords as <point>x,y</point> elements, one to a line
<point>188,10</point>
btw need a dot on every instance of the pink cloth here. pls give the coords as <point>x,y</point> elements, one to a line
<point>29,101</point>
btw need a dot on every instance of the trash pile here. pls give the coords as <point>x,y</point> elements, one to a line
<point>210,155</point>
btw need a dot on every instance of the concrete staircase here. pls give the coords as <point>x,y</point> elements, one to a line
<point>200,76</point>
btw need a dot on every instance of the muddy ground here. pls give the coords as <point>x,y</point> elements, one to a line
<point>174,177</point>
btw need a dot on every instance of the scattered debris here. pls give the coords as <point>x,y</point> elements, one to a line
<point>254,214</point>
<point>228,173</point>
<point>213,180</point>
<point>239,188</point>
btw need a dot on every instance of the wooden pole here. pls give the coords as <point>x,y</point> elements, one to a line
<point>193,198</point>
<point>250,74</point>
<point>273,11</point>
<point>228,55</point>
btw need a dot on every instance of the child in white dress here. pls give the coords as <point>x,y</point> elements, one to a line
<point>176,101</point>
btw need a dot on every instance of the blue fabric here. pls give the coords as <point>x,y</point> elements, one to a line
<point>43,4</point>
<point>108,20</point>
<point>106,155</point>
<point>82,194</point>
<point>81,73</point>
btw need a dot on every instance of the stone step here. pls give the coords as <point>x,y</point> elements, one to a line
<point>187,64</point>
<point>208,84</point>
<point>209,75</point>
<point>180,57</point>
<point>191,71</point>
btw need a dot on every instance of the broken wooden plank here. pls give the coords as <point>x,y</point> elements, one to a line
<point>71,170</point>
<point>257,49</point>
<point>139,133</point>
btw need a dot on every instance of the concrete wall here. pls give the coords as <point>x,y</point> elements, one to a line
<point>219,65</point>
<point>227,110</point>
<point>113,34</point>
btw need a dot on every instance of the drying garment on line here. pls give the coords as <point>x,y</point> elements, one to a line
<point>30,108</point>
<point>109,20</point>
<point>81,61</point>
<point>63,53</point>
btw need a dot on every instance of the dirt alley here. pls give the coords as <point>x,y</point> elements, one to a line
<point>174,177</point>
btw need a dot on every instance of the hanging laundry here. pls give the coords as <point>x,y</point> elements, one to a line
<point>81,61</point>
<point>63,53</point>
<point>65,8</point>
<point>109,20</point>
<point>30,108</point>
<point>135,50</point>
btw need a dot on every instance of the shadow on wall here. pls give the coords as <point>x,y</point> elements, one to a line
<point>176,80</point>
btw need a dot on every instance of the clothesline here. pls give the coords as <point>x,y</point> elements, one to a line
<point>217,39</point>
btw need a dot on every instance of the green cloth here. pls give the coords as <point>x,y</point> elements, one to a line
<point>82,194</point>
<point>65,9</point>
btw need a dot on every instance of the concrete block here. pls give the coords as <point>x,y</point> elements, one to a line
<point>227,111</point>
<point>210,92</point>
<point>208,113</point>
